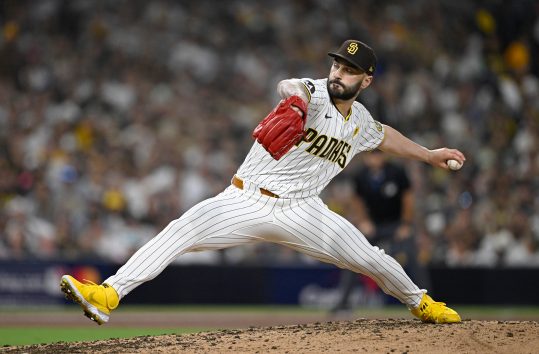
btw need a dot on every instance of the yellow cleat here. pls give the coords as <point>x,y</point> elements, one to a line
<point>435,312</point>
<point>97,301</point>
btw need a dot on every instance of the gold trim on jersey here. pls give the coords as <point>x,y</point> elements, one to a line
<point>307,91</point>
<point>349,114</point>
<point>339,112</point>
<point>385,135</point>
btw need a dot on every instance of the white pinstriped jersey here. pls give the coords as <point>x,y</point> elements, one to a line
<point>330,142</point>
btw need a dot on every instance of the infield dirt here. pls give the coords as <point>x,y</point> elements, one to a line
<point>359,336</point>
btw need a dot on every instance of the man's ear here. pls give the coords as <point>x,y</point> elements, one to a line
<point>366,82</point>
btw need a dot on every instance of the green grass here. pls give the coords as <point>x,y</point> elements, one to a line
<point>41,335</point>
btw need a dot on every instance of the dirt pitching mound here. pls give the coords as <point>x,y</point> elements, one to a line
<point>362,336</point>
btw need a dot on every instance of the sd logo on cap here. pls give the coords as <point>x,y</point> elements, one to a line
<point>358,54</point>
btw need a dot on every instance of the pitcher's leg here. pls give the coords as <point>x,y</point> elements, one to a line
<point>329,237</point>
<point>214,218</point>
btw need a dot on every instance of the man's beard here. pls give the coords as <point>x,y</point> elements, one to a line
<point>346,94</point>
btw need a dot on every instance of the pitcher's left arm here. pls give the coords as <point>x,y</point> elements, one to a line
<point>396,144</point>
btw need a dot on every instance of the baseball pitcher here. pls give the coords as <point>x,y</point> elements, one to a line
<point>309,138</point>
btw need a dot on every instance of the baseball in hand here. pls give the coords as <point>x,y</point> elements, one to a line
<point>454,165</point>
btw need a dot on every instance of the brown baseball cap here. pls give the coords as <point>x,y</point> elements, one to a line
<point>358,54</point>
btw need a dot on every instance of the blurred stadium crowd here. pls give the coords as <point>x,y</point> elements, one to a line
<point>117,116</point>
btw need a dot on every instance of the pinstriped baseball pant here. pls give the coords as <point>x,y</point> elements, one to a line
<point>237,217</point>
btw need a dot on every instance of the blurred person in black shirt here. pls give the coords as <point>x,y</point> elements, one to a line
<point>383,209</point>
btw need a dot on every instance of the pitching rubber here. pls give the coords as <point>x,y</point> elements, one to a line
<point>72,293</point>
